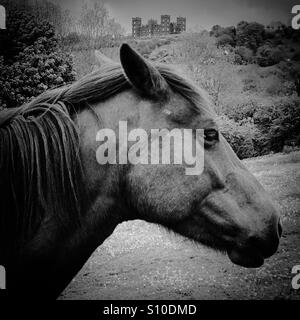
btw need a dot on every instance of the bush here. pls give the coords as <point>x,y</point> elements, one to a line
<point>243,55</point>
<point>296,56</point>
<point>225,40</point>
<point>36,68</point>
<point>145,47</point>
<point>268,56</point>
<point>276,86</point>
<point>219,32</point>
<point>250,35</point>
<point>71,39</point>
<point>280,123</point>
<point>216,31</point>
<point>243,136</point>
<point>240,110</point>
<point>23,30</point>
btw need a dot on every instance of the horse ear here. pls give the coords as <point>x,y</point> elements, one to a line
<point>142,75</point>
<point>102,59</point>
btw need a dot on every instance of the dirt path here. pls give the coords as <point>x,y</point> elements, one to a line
<point>143,261</point>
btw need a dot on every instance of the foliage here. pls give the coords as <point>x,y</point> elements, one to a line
<point>96,24</point>
<point>251,74</point>
<point>250,35</point>
<point>146,47</point>
<point>71,39</point>
<point>243,136</point>
<point>36,62</point>
<point>292,71</point>
<point>268,56</point>
<point>225,40</point>
<point>258,106</point>
<point>280,122</point>
<point>243,55</point>
<point>254,43</point>
<point>216,30</point>
<point>23,30</point>
<point>240,109</point>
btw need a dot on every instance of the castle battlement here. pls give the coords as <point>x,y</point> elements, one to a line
<point>153,28</point>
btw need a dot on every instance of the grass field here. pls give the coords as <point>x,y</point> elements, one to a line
<point>143,261</point>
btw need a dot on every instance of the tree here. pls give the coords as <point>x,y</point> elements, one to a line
<point>241,135</point>
<point>224,40</point>
<point>268,56</point>
<point>225,36</point>
<point>295,76</point>
<point>250,35</point>
<point>96,24</point>
<point>71,39</point>
<point>93,21</point>
<point>44,10</point>
<point>292,69</point>
<point>37,62</point>
<point>231,31</point>
<point>280,122</point>
<point>23,30</point>
<point>243,55</point>
<point>216,30</point>
<point>114,29</point>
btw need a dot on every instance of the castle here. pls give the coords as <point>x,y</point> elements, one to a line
<point>152,28</point>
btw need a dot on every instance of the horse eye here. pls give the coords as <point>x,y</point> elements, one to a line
<point>210,136</point>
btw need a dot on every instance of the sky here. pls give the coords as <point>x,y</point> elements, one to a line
<point>201,13</point>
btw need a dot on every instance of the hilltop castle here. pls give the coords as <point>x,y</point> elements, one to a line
<point>152,28</point>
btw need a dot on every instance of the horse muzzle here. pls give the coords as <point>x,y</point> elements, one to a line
<point>250,230</point>
<point>252,252</point>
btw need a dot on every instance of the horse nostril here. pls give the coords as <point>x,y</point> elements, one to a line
<point>279,228</point>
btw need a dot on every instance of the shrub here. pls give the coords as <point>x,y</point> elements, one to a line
<point>296,36</point>
<point>71,39</point>
<point>216,30</point>
<point>268,56</point>
<point>296,56</point>
<point>225,40</point>
<point>36,68</point>
<point>23,30</point>
<point>276,86</point>
<point>243,136</point>
<point>251,83</point>
<point>241,110</point>
<point>250,35</point>
<point>280,122</point>
<point>292,73</point>
<point>243,55</point>
<point>145,47</point>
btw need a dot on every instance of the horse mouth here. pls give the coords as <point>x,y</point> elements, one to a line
<point>248,258</point>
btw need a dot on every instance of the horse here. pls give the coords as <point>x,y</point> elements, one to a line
<point>58,204</point>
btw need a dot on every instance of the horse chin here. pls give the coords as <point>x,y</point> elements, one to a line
<point>246,258</point>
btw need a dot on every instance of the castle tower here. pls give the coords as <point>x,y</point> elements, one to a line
<point>136,27</point>
<point>165,23</point>
<point>181,24</point>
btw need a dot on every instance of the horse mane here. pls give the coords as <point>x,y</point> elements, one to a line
<point>40,168</point>
<point>40,172</point>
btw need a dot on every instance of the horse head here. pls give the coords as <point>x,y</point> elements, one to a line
<point>224,207</point>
